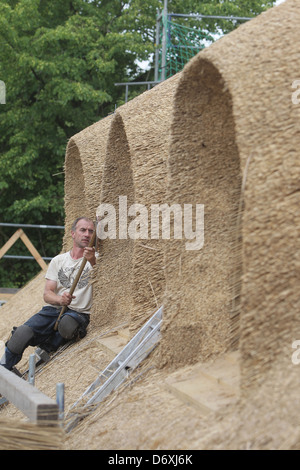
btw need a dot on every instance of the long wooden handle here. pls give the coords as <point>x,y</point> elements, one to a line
<point>75,282</point>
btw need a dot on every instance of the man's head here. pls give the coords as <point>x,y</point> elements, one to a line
<point>82,231</point>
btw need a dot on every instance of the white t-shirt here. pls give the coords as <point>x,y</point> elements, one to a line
<point>63,270</point>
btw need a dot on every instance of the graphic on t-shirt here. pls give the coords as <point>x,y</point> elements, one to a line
<point>67,276</point>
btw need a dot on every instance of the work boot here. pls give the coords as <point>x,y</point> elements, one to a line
<point>41,355</point>
<point>16,371</point>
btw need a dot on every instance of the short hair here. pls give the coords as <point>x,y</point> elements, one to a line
<point>73,228</point>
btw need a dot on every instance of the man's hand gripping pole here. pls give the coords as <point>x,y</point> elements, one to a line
<point>75,282</point>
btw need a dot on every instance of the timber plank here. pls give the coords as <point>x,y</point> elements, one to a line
<point>27,398</point>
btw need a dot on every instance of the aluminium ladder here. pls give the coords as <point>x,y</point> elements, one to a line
<point>138,348</point>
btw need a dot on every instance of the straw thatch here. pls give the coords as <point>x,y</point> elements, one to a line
<point>233,119</point>
<point>18,435</point>
<point>84,162</point>
<point>113,277</point>
<point>223,133</point>
<point>203,169</point>
<point>136,167</point>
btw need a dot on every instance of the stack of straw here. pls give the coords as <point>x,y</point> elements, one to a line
<point>18,435</point>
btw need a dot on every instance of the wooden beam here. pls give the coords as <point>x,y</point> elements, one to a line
<point>20,234</point>
<point>31,401</point>
<point>32,250</point>
<point>10,242</point>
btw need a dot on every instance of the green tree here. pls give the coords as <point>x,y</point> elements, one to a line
<point>59,60</point>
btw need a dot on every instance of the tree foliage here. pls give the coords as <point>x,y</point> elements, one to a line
<point>59,60</point>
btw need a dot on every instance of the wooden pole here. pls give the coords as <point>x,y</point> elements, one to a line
<point>73,287</point>
<point>10,242</point>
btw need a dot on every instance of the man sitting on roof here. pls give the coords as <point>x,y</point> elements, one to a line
<point>39,329</point>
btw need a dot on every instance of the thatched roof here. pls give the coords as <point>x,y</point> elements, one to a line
<point>85,155</point>
<point>136,167</point>
<point>223,133</point>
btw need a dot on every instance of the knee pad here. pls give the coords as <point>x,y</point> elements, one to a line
<point>68,327</point>
<point>20,339</point>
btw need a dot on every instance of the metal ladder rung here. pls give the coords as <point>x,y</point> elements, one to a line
<point>109,385</point>
<point>143,342</point>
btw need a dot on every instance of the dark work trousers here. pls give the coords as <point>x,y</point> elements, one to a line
<point>44,336</point>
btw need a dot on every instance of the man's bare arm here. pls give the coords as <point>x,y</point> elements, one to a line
<point>50,297</point>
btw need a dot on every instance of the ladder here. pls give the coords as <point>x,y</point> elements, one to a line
<point>138,348</point>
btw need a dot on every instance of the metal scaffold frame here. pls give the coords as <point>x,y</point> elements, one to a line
<point>162,17</point>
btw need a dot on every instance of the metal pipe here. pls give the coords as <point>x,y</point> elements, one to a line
<point>31,371</point>
<point>216,17</point>
<point>154,82</point>
<point>157,46</point>
<point>60,399</point>
<point>25,257</point>
<point>3,224</point>
<point>164,42</point>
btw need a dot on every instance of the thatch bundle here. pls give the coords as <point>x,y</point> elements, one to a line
<point>130,278</point>
<point>21,435</point>
<point>235,136</point>
<point>113,278</point>
<point>203,169</point>
<point>85,155</point>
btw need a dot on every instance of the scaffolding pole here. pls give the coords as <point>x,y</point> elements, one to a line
<point>164,42</point>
